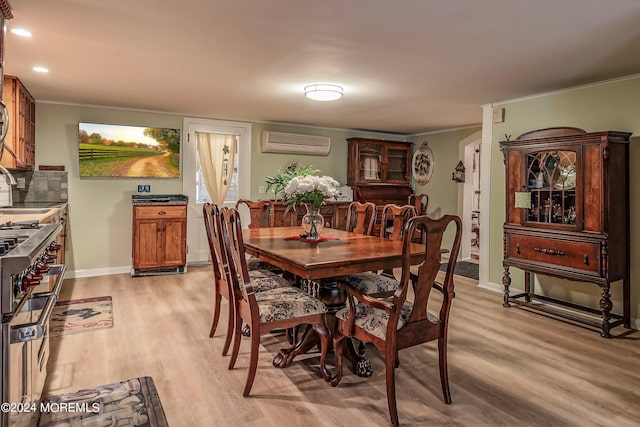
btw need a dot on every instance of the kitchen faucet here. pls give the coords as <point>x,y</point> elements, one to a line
<point>6,196</point>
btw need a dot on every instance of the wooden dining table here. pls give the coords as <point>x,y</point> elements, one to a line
<point>322,263</point>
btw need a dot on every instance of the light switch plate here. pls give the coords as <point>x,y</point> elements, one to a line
<point>498,115</point>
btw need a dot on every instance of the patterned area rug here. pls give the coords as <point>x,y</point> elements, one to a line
<point>81,315</point>
<point>127,403</point>
<point>466,269</point>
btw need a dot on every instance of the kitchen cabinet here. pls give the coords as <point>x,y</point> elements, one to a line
<point>567,215</point>
<point>379,171</point>
<point>159,238</point>
<point>334,214</point>
<point>20,142</point>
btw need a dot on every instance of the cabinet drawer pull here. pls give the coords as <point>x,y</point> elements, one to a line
<point>548,251</point>
<point>517,248</point>
<point>162,213</point>
<point>585,258</point>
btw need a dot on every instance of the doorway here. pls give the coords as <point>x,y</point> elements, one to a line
<point>469,197</point>
<point>197,245</point>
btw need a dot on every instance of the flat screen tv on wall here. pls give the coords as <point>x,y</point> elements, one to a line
<point>107,150</point>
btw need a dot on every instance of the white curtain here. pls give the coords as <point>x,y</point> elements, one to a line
<point>216,152</point>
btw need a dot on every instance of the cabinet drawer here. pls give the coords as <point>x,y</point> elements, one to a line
<point>159,212</point>
<point>575,255</point>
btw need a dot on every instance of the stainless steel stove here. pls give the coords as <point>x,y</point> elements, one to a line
<point>29,285</point>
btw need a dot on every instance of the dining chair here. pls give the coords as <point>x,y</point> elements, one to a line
<point>361,217</point>
<point>261,212</point>
<point>420,202</point>
<point>279,308</point>
<point>262,279</point>
<point>394,218</point>
<point>261,215</point>
<point>396,323</point>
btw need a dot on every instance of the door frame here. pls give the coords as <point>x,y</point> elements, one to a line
<point>465,192</point>
<point>197,245</point>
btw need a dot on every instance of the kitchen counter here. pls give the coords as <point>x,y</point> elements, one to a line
<point>159,199</point>
<point>41,212</point>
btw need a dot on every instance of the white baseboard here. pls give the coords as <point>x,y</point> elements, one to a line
<point>490,286</point>
<point>74,274</point>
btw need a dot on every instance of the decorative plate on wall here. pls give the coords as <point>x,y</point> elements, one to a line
<point>422,164</point>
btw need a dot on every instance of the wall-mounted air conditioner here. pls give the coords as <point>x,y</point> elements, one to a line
<point>292,143</point>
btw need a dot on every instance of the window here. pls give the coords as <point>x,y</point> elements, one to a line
<point>202,196</point>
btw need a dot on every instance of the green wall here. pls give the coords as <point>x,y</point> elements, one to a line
<point>100,214</point>
<point>334,164</point>
<point>441,189</point>
<point>608,106</point>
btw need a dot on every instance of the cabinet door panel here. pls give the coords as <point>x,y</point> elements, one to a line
<point>174,237</point>
<point>147,242</point>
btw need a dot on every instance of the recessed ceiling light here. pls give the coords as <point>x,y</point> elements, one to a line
<point>40,69</point>
<point>21,32</point>
<point>323,92</point>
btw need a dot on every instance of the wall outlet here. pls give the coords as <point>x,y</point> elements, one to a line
<point>144,188</point>
<point>21,183</point>
<point>262,189</point>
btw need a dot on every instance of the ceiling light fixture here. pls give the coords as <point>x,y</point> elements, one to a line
<point>40,69</point>
<point>21,32</point>
<point>323,92</point>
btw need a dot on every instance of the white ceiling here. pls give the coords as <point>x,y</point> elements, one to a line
<point>407,66</point>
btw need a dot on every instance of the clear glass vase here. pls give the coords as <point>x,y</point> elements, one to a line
<point>312,222</point>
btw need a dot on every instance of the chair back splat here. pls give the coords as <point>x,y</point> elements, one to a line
<point>395,323</point>
<point>261,212</point>
<point>420,202</point>
<point>394,218</point>
<point>361,217</point>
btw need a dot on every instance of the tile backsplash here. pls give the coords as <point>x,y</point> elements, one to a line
<point>41,186</point>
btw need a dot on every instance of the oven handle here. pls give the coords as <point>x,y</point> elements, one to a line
<point>33,331</point>
<point>58,271</point>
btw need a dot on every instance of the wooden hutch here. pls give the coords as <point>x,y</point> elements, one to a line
<point>379,171</point>
<point>567,216</point>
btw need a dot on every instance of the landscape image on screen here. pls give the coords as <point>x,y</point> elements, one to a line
<point>128,151</point>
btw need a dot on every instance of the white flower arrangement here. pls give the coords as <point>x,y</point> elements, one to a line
<point>310,189</point>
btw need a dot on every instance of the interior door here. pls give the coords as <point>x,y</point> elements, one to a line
<point>197,245</point>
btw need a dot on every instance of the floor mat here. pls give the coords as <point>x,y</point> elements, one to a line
<point>81,315</point>
<point>466,269</point>
<point>132,402</point>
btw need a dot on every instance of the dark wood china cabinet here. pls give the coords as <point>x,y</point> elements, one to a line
<point>379,171</point>
<point>567,216</point>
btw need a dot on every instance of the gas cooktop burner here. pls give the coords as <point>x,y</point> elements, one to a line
<point>20,225</point>
<point>8,243</point>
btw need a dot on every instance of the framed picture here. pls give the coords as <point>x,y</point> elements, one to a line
<point>422,164</point>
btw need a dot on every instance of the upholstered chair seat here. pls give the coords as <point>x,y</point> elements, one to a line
<point>287,303</point>
<point>374,320</point>
<point>266,280</point>
<point>371,283</point>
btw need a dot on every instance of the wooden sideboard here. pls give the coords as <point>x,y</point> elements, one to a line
<point>379,171</point>
<point>334,214</point>
<point>567,215</point>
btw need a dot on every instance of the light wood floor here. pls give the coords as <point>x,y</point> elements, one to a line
<point>507,367</point>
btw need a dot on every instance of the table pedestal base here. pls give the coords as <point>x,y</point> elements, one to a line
<point>334,298</point>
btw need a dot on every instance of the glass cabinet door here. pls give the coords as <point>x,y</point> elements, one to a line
<point>370,162</point>
<point>551,183</point>
<point>397,165</point>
